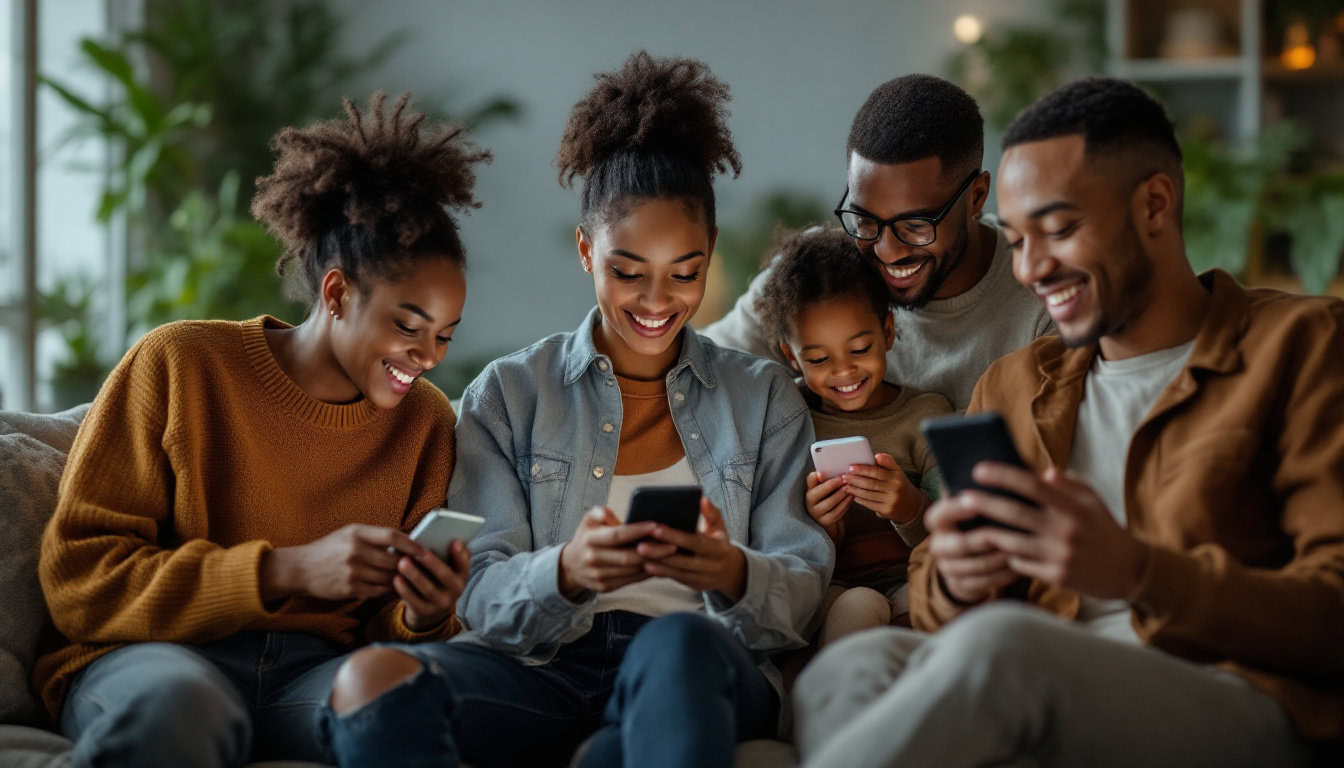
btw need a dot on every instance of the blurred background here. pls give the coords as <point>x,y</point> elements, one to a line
<point>133,130</point>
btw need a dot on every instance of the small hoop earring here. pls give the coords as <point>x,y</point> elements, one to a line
<point>332,312</point>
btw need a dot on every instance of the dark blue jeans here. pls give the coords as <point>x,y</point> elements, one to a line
<point>673,691</point>
<point>254,695</point>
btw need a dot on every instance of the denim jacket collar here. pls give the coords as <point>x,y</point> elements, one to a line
<point>581,352</point>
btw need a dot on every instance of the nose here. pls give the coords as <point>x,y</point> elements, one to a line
<point>426,354</point>
<point>656,296</point>
<point>1031,263</point>
<point>889,249</point>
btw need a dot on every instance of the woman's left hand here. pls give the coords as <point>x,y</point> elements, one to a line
<point>429,587</point>
<point>711,561</point>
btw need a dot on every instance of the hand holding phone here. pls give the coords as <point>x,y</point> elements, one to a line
<point>960,442</point>
<point>441,526</point>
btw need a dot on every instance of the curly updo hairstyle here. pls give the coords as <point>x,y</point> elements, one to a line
<point>369,193</point>
<point>654,129</point>
<point>814,266</point>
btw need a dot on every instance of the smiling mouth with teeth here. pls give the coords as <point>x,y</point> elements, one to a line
<point>649,322</point>
<point>398,374</point>
<point>849,388</point>
<point>1059,297</point>
<point>903,272</point>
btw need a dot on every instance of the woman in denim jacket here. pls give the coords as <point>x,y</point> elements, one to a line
<point>656,639</point>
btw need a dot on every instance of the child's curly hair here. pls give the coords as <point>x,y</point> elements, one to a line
<point>655,128</point>
<point>368,193</point>
<point>813,266</point>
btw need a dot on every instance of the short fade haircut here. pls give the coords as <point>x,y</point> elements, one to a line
<point>817,265</point>
<point>1116,119</point>
<point>917,116</point>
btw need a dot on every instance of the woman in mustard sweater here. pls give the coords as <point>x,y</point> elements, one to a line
<point>232,519</point>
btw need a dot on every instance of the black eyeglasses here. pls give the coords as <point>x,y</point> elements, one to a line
<point>911,230</point>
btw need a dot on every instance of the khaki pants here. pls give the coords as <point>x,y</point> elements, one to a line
<point>1008,684</point>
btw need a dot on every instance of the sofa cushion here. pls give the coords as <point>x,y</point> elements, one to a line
<point>32,454</point>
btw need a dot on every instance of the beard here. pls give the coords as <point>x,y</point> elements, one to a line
<point>1132,293</point>
<point>941,269</point>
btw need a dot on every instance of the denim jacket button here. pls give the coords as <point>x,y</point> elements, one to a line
<point>607,427</point>
<point>678,397</point>
<point>598,472</point>
<point>695,436</point>
<point>602,365</point>
<point>536,470</point>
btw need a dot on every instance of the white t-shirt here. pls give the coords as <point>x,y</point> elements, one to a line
<point>1118,395</point>
<point>944,346</point>
<point>656,596</point>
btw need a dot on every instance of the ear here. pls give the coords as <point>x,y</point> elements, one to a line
<point>979,194</point>
<point>788,355</point>
<point>1154,206</point>
<point>585,249</point>
<point>336,293</point>
<point>889,329</point>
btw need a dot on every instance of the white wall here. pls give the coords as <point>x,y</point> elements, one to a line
<point>798,72</point>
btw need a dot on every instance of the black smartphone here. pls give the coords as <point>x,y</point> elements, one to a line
<point>960,442</point>
<point>676,506</point>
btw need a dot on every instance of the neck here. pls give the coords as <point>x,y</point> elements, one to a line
<point>1172,316</point>
<point>305,355</point>
<point>981,243</point>
<point>630,364</point>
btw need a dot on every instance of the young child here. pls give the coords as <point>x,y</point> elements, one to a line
<point>830,310</point>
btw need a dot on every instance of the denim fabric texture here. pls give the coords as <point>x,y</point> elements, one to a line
<point>673,691</point>
<point>251,696</point>
<point>534,454</point>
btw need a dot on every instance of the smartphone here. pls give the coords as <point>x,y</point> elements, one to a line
<point>676,506</point>
<point>835,457</point>
<point>960,442</point>
<point>437,531</point>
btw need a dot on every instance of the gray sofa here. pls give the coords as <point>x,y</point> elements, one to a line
<point>32,454</point>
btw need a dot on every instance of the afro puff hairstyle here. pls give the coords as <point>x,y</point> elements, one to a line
<point>368,193</point>
<point>655,128</point>
<point>815,266</point>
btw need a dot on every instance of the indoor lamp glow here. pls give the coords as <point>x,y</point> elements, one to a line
<point>968,29</point>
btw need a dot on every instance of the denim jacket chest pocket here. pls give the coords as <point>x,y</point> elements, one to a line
<point>739,474</point>
<point>544,476</point>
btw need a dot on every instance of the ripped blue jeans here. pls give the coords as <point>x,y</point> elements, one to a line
<point>250,696</point>
<point>678,690</point>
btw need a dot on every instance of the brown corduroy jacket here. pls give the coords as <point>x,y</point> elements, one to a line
<point>1235,479</point>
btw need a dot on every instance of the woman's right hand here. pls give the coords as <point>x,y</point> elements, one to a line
<point>601,555</point>
<point>354,562</point>
<point>827,502</point>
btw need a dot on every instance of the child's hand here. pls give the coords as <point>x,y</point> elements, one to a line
<point>827,503</point>
<point>886,490</point>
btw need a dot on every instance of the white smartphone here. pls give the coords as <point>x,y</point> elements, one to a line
<point>437,531</point>
<point>834,457</point>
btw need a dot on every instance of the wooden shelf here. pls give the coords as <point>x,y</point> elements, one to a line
<point>1175,70</point>
<point>1327,73</point>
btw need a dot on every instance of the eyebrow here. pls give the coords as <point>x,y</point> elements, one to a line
<point>1058,205</point>
<point>851,338</point>
<point>904,214</point>
<point>642,260</point>
<point>417,310</point>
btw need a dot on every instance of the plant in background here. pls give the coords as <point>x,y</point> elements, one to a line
<point>741,247</point>
<point>68,308</point>
<point>192,129</point>
<point>1011,66</point>
<point>1224,189</point>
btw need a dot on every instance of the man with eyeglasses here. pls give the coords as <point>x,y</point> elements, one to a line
<point>913,201</point>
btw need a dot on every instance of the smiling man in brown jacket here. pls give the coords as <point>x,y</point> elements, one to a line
<point>1187,442</point>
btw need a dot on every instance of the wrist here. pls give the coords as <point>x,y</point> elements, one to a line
<point>1139,566</point>
<point>736,582</point>
<point>563,584</point>
<point>279,574</point>
<point>909,507</point>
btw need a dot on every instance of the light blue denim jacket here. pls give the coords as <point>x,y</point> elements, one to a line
<point>534,454</point>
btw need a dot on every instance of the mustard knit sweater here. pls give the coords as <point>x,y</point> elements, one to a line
<point>200,454</point>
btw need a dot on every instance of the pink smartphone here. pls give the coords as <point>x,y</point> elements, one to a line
<point>835,457</point>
